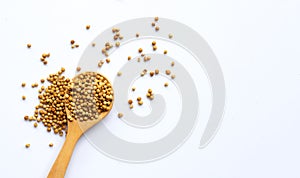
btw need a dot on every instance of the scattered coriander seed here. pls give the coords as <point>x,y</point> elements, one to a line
<point>153,43</point>
<point>26,118</point>
<point>107,60</point>
<point>151,97</point>
<point>93,44</point>
<point>156,19</point>
<point>120,115</point>
<point>139,59</point>
<point>151,74</point>
<point>35,124</point>
<point>50,144</point>
<point>77,46</point>
<point>173,76</point>
<point>78,69</point>
<point>121,37</point>
<point>45,62</point>
<point>129,58</point>
<point>28,45</point>
<point>23,97</point>
<point>72,46</point>
<point>165,51</point>
<point>23,84</point>
<point>133,88</point>
<point>139,98</point>
<point>140,50</point>
<point>156,71</point>
<point>142,55</point>
<point>42,80</point>
<point>137,35</point>
<point>152,24</point>
<point>140,102</point>
<point>168,72</point>
<point>117,44</point>
<point>172,63</point>
<point>27,145</point>
<point>87,27</point>
<point>44,55</point>
<point>72,42</point>
<point>154,48</point>
<point>170,35</point>
<point>150,90</point>
<point>166,84</point>
<point>100,63</point>
<point>157,28</point>
<point>130,101</point>
<point>131,106</point>
<point>42,59</point>
<point>119,73</point>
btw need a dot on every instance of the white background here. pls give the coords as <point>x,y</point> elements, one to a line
<point>256,42</point>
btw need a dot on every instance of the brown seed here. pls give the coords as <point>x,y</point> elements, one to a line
<point>168,72</point>
<point>172,64</point>
<point>151,74</point>
<point>45,62</point>
<point>120,115</point>
<point>156,71</point>
<point>157,28</point>
<point>170,36</point>
<point>44,55</point>
<point>133,88</point>
<point>166,84</point>
<point>78,69</point>
<point>23,84</point>
<point>27,145</point>
<point>154,48</point>
<point>140,102</point>
<point>35,124</point>
<point>117,44</point>
<point>87,27</point>
<point>129,101</point>
<point>156,19</point>
<point>42,80</point>
<point>72,42</point>
<point>119,73</point>
<point>23,97</point>
<point>140,50</point>
<point>150,90</point>
<point>165,51</point>
<point>129,58</point>
<point>107,60</point>
<point>152,24</point>
<point>50,144</point>
<point>139,98</point>
<point>131,106</point>
<point>137,35</point>
<point>153,43</point>
<point>26,118</point>
<point>173,76</point>
<point>77,46</point>
<point>93,44</point>
<point>28,45</point>
<point>151,97</point>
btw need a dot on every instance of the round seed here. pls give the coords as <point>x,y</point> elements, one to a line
<point>151,74</point>
<point>152,24</point>
<point>133,88</point>
<point>137,35</point>
<point>50,144</point>
<point>78,69</point>
<point>120,115</point>
<point>165,51</point>
<point>129,101</point>
<point>140,50</point>
<point>35,124</point>
<point>27,145</point>
<point>23,84</point>
<point>154,48</point>
<point>168,72</point>
<point>139,98</point>
<point>156,19</point>
<point>156,71</point>
<point>173,76</point>
<point>129,58</point>
<point>72,42</point>
<point>23,97</point>
<point>170,36</point>
<point>157,28</point>
<point>28,45</point>
<point>150,90</point>
<point>153,43</point>
<point>172,64</point>
<point>130,106</point>
<point>119,73</point>
<point>140,102</point>
<point>166,84</point>
<point>107,60</point>
<point>87,27</point>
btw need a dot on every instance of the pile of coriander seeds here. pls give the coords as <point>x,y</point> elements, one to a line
<point>86,97</point>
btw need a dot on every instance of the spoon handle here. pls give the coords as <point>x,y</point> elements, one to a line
<point>60,165</point>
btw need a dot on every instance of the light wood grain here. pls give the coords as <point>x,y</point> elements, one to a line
<point>75,131</point>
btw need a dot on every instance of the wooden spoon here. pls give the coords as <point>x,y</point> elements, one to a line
<point>75,131</point>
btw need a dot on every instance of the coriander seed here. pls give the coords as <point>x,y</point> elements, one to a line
<point>50,144</point>
<point>87,27</point>
<point>27,145</point>
<point>168,72</point>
